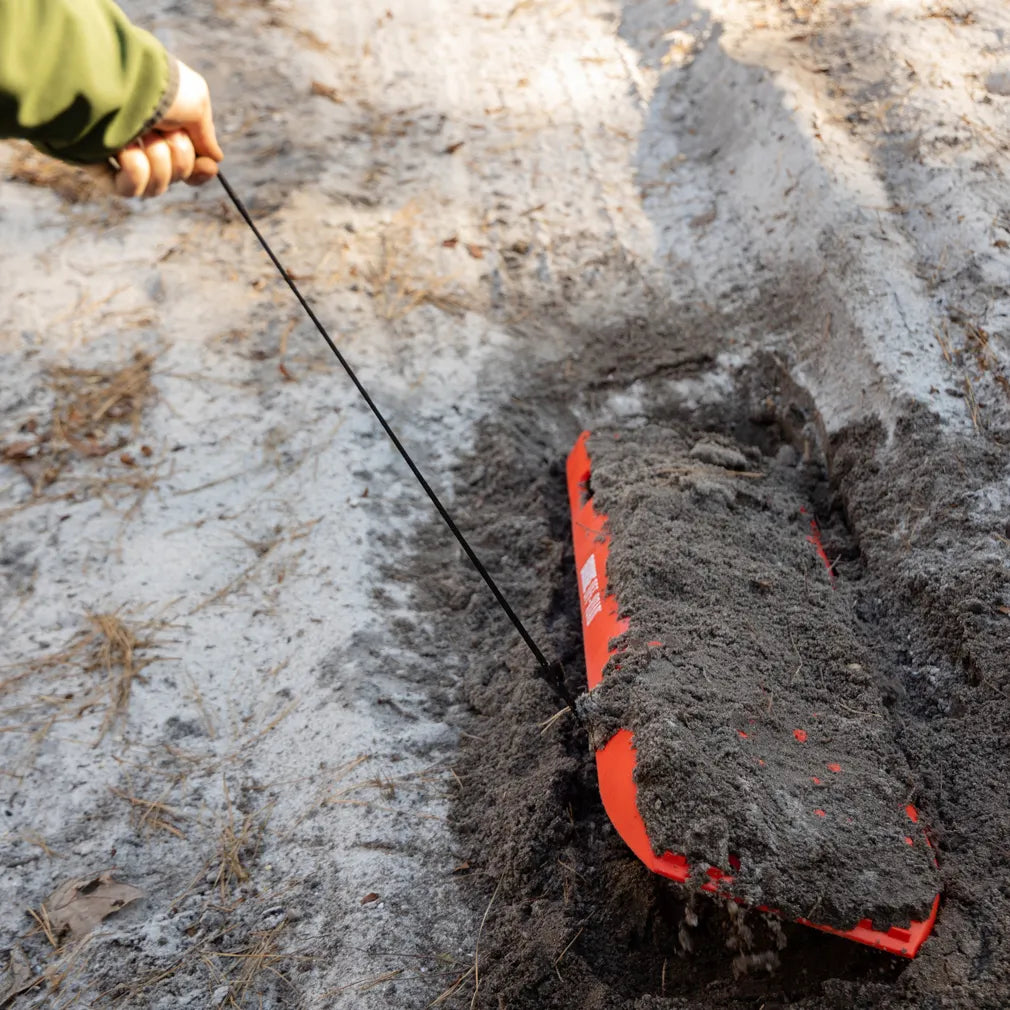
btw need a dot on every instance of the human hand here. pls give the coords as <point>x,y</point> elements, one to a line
<point>181,146</point>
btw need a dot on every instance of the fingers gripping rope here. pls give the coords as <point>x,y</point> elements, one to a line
<point>552,673</point>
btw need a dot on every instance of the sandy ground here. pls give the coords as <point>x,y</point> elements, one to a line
<point>604,210</point>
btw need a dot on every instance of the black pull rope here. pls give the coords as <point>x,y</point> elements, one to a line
<point>552,672</point>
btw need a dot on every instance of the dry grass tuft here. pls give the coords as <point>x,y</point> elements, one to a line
<point>115,647</point>
<point>388,787</point>
<point>452,988</point>
<point>262,956</point>
<point>65,967</point>
<point>251,969</point>
<point>149,816</point>
<point>45,927</point>
<point>238,844</point>
<point>89,400</point>
<point>952,16</point>
<point>95,413</point>
<point>976,351</point>
<point>95,670</point>
<point>400,277</point>
<point>263,550</point>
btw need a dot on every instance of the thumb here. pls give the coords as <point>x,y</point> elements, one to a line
<point>203,171</point>
<point>191,111</point>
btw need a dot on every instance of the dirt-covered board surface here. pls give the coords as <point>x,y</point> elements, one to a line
<point>753,694</point>
<point>244,674</point>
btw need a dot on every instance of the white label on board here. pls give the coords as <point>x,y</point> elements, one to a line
<point>590,585</point>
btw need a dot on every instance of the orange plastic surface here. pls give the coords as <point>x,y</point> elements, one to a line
<point>615,762</point>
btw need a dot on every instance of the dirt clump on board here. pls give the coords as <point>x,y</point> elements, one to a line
<point>751,690</point>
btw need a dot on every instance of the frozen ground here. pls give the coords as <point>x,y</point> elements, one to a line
<point>613,205</point>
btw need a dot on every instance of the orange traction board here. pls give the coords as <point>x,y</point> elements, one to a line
<point>615,761</point>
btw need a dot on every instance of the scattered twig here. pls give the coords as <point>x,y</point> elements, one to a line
<point>969,395</point>
<point>152,815</point>
<point>476,946</point>
<point>553,720</point>
<point>565,951</point>
<point>448,993</point>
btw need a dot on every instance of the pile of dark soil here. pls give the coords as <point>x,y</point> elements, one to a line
<point>570,917</point>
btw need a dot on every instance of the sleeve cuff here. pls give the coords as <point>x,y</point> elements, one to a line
<point>168,96</point>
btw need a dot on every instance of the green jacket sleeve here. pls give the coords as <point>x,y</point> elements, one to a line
<point>78,79</point>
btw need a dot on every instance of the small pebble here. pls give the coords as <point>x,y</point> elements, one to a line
<point>998,83</point>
